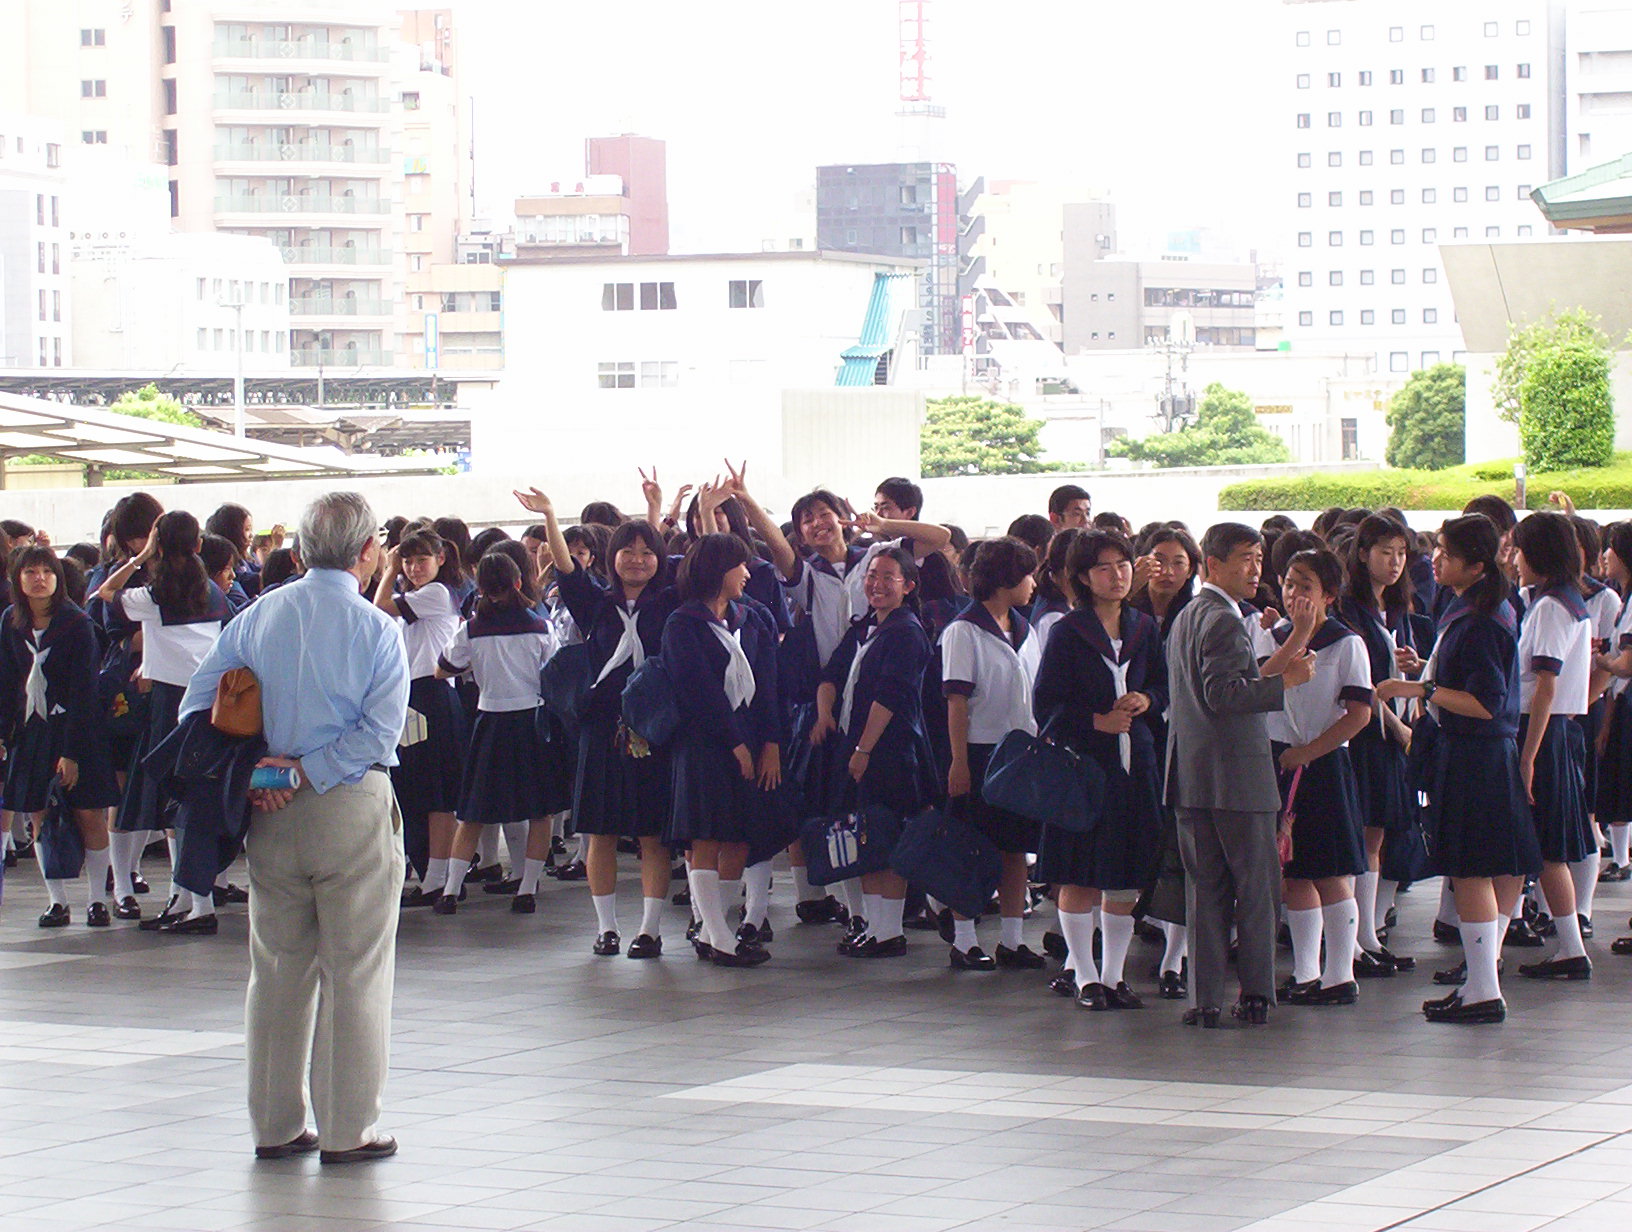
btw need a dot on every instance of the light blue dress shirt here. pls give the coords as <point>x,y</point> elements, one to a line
<point>333,675</point>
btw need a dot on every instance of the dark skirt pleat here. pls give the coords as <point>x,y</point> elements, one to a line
<point>1615,766</point>
<point>428,774</point>
<point>711,800</point>
<point>1477,823</point>
<point>512,773</point>
<point>1327,835</point>
<point>1384,798</point>
<point>616,792</point>
<point>1123,851</point>
<point>146,804</point>
<point>1558,787</point>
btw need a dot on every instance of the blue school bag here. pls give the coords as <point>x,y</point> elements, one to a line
<point>651,706</point>
<point>564,682</point>
<point>950,860</point>
<point>1043,781</point>
<point>850,844</point>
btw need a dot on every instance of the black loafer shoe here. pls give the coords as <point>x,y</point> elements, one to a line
<point>304,1144</point>
<point>1054,946</point>
<point>1439,1003</point>
<point>380,1148</point>
<point>11,858</point>
<point>1202,1016</point>
<point>821,911</point>
<point>229,893</point>
<point>702,948</point>
<point>607,945</point>
<point>851,947</point>
<point>127,909</point>
<point>168,916</point>
<point>1558,969</point>
<point>753,935</point>
<point>139,884</point>
<point>445,905</point>
<point>571,872</point>
<point>1402,962</point>
<point>1522,935</point>
<point>1124,998</point>
<point>742,956</point>
<point>1064,984</point>
<point>96,916</point>
<point>1458,1012</point>
<point>485,874</point>
<point>523,904</point>
<point>1290,989</point>
<point>1337,994</point>
<point>694,930</point>
<point>1453,975</point>
<point>1621,945</point>
<point>972,959</point>
<point>1170,986</point>
<point>55,916</point>
<point>509,885</point>
<point>681,898</point>
<point>645,947</point>
<point>894,947</point>
<point>921,921</point>
<point>1254,1011</point>
<point>1373,966</point>
<point>1094,997</point>
<point>1021,958</point>
<point>1615,872</point>
<point>419,896</point>
<point>1447,934</point>
<point>200,926</point>
<point>1545,926</point>
<point>1146,931</point>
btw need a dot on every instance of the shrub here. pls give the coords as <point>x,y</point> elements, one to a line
<point>1594,487</point>
<point>1567,412</point>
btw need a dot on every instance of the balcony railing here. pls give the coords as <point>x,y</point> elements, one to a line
<point>320,255</point>
<point>297,100</point>
<point>298,49</point>
<point>298,152</point>
<point>339,357</point>
<point>293,203</point>
<point>320,306</point>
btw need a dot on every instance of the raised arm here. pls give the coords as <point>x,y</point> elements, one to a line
<point>1230,682</point>
<point>926,536</point>
<point>385,594</point>
<point>783,556</point>
<point>120,577</point>
<point>535,501</point>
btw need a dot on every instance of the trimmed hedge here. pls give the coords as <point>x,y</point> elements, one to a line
<point>1601,487</point>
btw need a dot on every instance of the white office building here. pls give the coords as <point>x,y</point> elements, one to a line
<point>1598,81</point>
<point>1410,124</point>
<point>34,310</point>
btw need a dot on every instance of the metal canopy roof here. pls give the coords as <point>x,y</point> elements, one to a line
<point>1598,199</point>
<point>188,455</point>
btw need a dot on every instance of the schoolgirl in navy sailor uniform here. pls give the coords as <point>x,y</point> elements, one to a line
<point>51,719</point>
<point>621,783</point>
<point>181,613</point>
<point>430,758</point>
<point>1555,663</point>
<point>1480,834</point>
<point>1054,587</point>
<point>870,705</point>
<point>510,773</point>
<point>1310,738</point>
<point>1377,604</point>
<point>1102,680</point>
<point>988,666</point>
<point>1614,803</point>
<point>1603,605</point>
<point>720,655</point>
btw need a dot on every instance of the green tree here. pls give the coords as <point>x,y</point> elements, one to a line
<point>1527,343</point>
<point>149,402</point>
<point>1566,408</point>
<point>966,435</point>
<point>1426,419</point>
<point>1226,433</point>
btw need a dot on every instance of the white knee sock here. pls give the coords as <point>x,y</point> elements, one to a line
<point>457,871</point>
<point>1447,903</point>
<point>730,896</point>
<point>1482,947</point>
<point>203,905</point>
<point>802,889</point>
<point>710,908</point>
<point>1011,936</point>
<point>515,844</point>
<point>1077,927</point>
<point>869,910</point>
<point>1178,947</point>
<point>97,864</point>
<point>1365,905</point>
<point>1569,936</point>
<point>1385,903</point>
<point>757,879</point>
<point>1118,936</point>
<point>436,873</point>
<point>1620,844</point>
<point>963,935</point>
<point>487,847</point>
<point>58,890</point>
<point>887,927</point>
<point>651,917</point>
<point>1305,928</point>
<point>1339,922</point>
<point>606,912</point>
<point>850,895</point>
<point>1584,874</point>
<point>123,850</point>
<point>531,871</point>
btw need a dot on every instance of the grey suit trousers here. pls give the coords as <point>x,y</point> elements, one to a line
<point>325,881</point>
<point>1232,873</point>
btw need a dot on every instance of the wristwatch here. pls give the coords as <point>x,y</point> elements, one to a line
<point>1429,688</point>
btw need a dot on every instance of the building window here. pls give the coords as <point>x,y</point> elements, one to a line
<point>93,38</point>
<point>1430,358</point>
<point>615,375</point>
<point>1303,119</point>
<point>1427,76</point>
<point>495,301</point>
<point>1397,277</point>
<point>1365,158</point>
<point>1459,195</point>
<point>94,136</point>
<point>909,236</point>
<point>1459,154</point>
<point>1303,38</point>
<point>1365,196</point>
<point>1492,193</point>
<point>1524,70</point>
<point>1524,192</point>
<point>1335,317</point>
<point>1459,233</point>
<point>1490,29</point>
<point>1428,156</point>
<point>96,88</point>
<point>1429,196</point>
<point>1334,38</point>
<point>1334,159</point>
<point>1334,198</point>
<point>1334,278</point>
<point>1396,196</point>
<point>203,339</point>
<point>1397,116</point>
<point>659,374</point>
<point>1430,316</point>
<point>416,262</point>
<point>1522,111</point>
<point>656,296</point>
<point>1426,34</point>
<point>1367,316</point>
<point>1521,28</point>
<point>1429,235</point>
<point>1305,200</point>
<point>416,222</point>
<point>41,312</point>
<point>1365,78</point>
<point>1459,115</point>
<point>1492,153</point>
<point>1368,277</point>
<point>1524,230</point>
<point>746,293</point>
<point>1306,278</point>
<point>1524,151</point>
<point>1305,239</point>
<point>1334,239</point>
<point>1365,119</point>
<point>1334,80</point>
<point>1399,361</point>
<point>1367,238</point>
<point>1396,76</point>
<point>1427,115</point>
<point>1306,318</point>
<point>1430,275</point>
<point>1459,73</point>
<point>1396,34</point>
<point>617,297</point>
<point>1492,72</point>
<point>1304,160</point>
<point>1396,158</point>
<point>1493,233</point>
<point>1334,119</point>
<point>1303,81</point>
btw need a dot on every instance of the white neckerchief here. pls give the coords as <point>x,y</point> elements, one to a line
<point>1119,681</point>
<point>35,689</point>
<point>850,681</point>
<point>629,648</point>
<point>739,673</point>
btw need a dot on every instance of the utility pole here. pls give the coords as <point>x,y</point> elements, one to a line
<point>238,368</point>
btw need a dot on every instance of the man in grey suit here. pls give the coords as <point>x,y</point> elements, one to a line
<point>1221,778</point>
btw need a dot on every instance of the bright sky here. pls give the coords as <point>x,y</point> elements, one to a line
<point>1167,103</point>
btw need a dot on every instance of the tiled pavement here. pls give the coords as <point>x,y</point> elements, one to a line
<point>537,1087</point>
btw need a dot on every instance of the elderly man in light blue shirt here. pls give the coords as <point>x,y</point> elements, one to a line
<point>325,860</point>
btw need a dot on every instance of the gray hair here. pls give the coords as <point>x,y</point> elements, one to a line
<point>333,530</point>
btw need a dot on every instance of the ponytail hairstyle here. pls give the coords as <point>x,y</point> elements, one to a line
<point>518,555</point>
<point>1375,529</point>
<point>500,582</point>
<point>1057,564</point>
<point>426,542</point>
<point>177,577</point>
<point>909,573</point>
<point>22,611</point>
<point>1475,540</point>
<point>703,571</point>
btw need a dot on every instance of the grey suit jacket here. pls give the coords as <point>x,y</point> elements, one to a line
<point>1218,754</point>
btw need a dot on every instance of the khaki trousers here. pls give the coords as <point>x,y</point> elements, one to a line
<point>325,878</point>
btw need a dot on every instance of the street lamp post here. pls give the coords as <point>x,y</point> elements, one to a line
<point>238,368</point>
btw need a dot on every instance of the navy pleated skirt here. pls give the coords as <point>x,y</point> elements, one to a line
<point>1009,832</point>
<point>817,771</point>
<point>430,772</point>
<point>1589,723</point>
<point>710,801</point>
<point>1123,851</point>
<point>145,804</point>
<point>1615,766</point>
<point>1477,823</point>
<point>616,792</point>
<point>1558,788</point>
<point>31,766</point>
<point>513,771</point>
<point>1327,832</point>
<point>1385,800</point>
